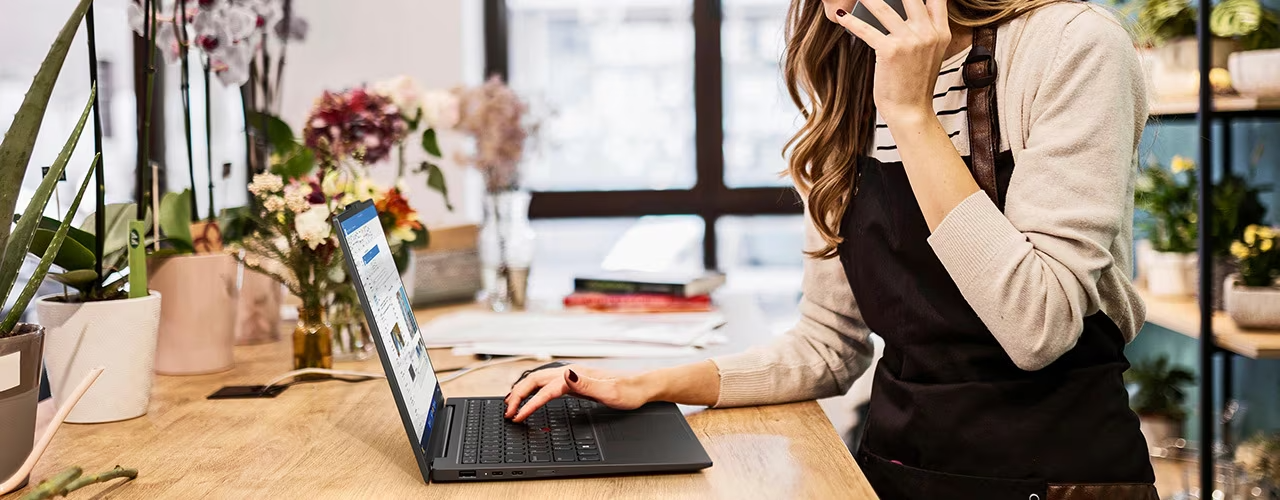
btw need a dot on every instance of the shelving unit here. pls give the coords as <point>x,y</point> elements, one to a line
<point>1224,107</point>
<point>1183,316</point>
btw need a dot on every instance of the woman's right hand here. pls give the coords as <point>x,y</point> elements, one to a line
<point>612,389</point>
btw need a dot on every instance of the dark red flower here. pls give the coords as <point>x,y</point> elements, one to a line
<point>208,43</point>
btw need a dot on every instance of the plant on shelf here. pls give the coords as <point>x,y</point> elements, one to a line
<point>1260,458</point>
<point>1167,199</point>
<point>24,344</point>
<point>1253,299</point>
<point>1159,398</point>
<point>1252,24</point>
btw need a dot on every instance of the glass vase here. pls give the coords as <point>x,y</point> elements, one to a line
<point>312,339</point>
<point>506,249</point>
<point>352,340</point>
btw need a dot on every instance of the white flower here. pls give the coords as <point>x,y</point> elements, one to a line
<point>273,204</point>
<point>313,225</point>
<point>266,183</point>
<point>404,92</point>
<point>441,109</point>
<point>295,197</point>
<point>334,184</point>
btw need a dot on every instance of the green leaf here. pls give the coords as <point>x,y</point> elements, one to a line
<point>279,136</point>
<point>37,277</point>
<point>175,219</point>
<point>70,256</point>
<point>117,217</point>
<point>435,180</point>
<point>77,279</point>
<point>235,222</point>
<point>297,163</point>
<point>20,139</point>
<point>16,249</point>
<point>80,236</point>
<point>430,143</point>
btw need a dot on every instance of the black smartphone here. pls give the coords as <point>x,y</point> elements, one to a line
<point>860,11</point>
<point>248,392</point>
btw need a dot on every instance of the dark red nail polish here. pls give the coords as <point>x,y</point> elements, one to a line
<point>573,377</point>
<point>840,12</point>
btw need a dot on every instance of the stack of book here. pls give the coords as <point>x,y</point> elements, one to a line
<point>636,292</point>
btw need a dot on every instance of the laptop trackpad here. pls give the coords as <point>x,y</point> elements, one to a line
<point>646,436</point>
<point>640,427</point>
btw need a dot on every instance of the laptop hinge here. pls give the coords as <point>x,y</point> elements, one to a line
<point>444,426</point>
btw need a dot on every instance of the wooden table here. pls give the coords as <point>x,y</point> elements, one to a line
<point>338,440</point>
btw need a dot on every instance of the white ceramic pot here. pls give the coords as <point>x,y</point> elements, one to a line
<point>198,320</point>
<point>1253,307</point>
<point>117,335</point>
<point>1256,72</point>
<point>1161,432</point>
<point>1174,69</point>
<point>1142,261</point>
<point>258,310</point>
<point>1172,274</point>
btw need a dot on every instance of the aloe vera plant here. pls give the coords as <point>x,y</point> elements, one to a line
<point>15,156</point>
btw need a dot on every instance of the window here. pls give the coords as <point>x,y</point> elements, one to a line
<point>651,107</point>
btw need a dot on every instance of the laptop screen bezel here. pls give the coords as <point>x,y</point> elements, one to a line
<point>425,451</point>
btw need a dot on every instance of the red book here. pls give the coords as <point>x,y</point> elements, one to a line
<point>638,302</point>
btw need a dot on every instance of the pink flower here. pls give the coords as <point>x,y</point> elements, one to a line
<point>347,123</point>
<point>493,114</point>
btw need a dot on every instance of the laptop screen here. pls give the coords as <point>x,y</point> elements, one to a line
<point>390,316</point>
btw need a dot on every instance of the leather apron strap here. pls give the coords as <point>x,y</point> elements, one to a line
<point>984,124</point>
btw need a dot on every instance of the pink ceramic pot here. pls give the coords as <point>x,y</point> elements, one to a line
<point>198,318</point>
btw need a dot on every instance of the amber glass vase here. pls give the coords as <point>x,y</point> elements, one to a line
<point>312,339</point>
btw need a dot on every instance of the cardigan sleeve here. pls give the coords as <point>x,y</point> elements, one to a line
<point>1032,272</point>
<point>819,357</point>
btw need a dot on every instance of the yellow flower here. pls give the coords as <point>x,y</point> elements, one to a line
<point>1266,245</point>
<point>1250,235</point>
<point>1266,232</point>
<point>1239,250</point>
<point>1182,164</point>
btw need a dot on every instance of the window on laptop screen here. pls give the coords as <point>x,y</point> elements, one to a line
<point>395,325</point>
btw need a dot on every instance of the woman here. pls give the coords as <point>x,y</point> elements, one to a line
<point>970,202</point>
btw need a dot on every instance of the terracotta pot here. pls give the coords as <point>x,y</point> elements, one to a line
<point>1161,432</point>
<point>198,321</point>
<point>20,359</point>
<point>258,315</point>
<point>1253,307</point>
<point>118,335</point>
<point>1172,274</point>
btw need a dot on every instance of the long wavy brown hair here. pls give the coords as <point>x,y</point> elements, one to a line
<point>828,74</point>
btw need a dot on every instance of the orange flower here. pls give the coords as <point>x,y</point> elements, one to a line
<point>397,206</point>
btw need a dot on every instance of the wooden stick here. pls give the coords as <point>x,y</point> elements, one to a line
<point>18,477</point>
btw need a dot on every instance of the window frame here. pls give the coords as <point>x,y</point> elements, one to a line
<point>710,198</point>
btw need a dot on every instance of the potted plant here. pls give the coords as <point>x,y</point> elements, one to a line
<point>1168,199</point>
<point>1259,457</point>
<point>1167,28</point>
<point>22,345</point>
<point>1253,300</point>
<point>1159,398</point>
<point>112,318</point>
<point>1255,70</point>
<point>197,324</point>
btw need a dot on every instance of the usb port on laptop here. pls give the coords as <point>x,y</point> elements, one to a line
<point>467,474</point>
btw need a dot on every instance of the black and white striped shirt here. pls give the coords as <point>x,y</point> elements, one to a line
<point>950,103</point>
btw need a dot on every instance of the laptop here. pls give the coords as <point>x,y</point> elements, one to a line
<point>468,439</point>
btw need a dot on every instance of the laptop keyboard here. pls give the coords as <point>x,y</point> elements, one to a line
<point>557,432</point>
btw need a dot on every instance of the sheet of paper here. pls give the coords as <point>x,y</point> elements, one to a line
<point>472,327</point>
<point>10,371</point>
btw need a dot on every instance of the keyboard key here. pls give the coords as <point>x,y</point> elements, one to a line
<point>589,458</point>
<point>515,459</point>
<point>490,460</point>
<point>585,446</point>
<point>565,456</point>
<point>540,457</point>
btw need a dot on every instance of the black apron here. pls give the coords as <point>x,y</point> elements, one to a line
<point>951,416</point>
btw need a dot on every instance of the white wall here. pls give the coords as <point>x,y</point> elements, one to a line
<point>437,42</point>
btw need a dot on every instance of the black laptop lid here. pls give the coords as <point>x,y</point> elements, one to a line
<point>389,315</point>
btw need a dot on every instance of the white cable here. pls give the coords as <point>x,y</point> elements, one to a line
<point>322,371</point>
<point>486,364</point>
